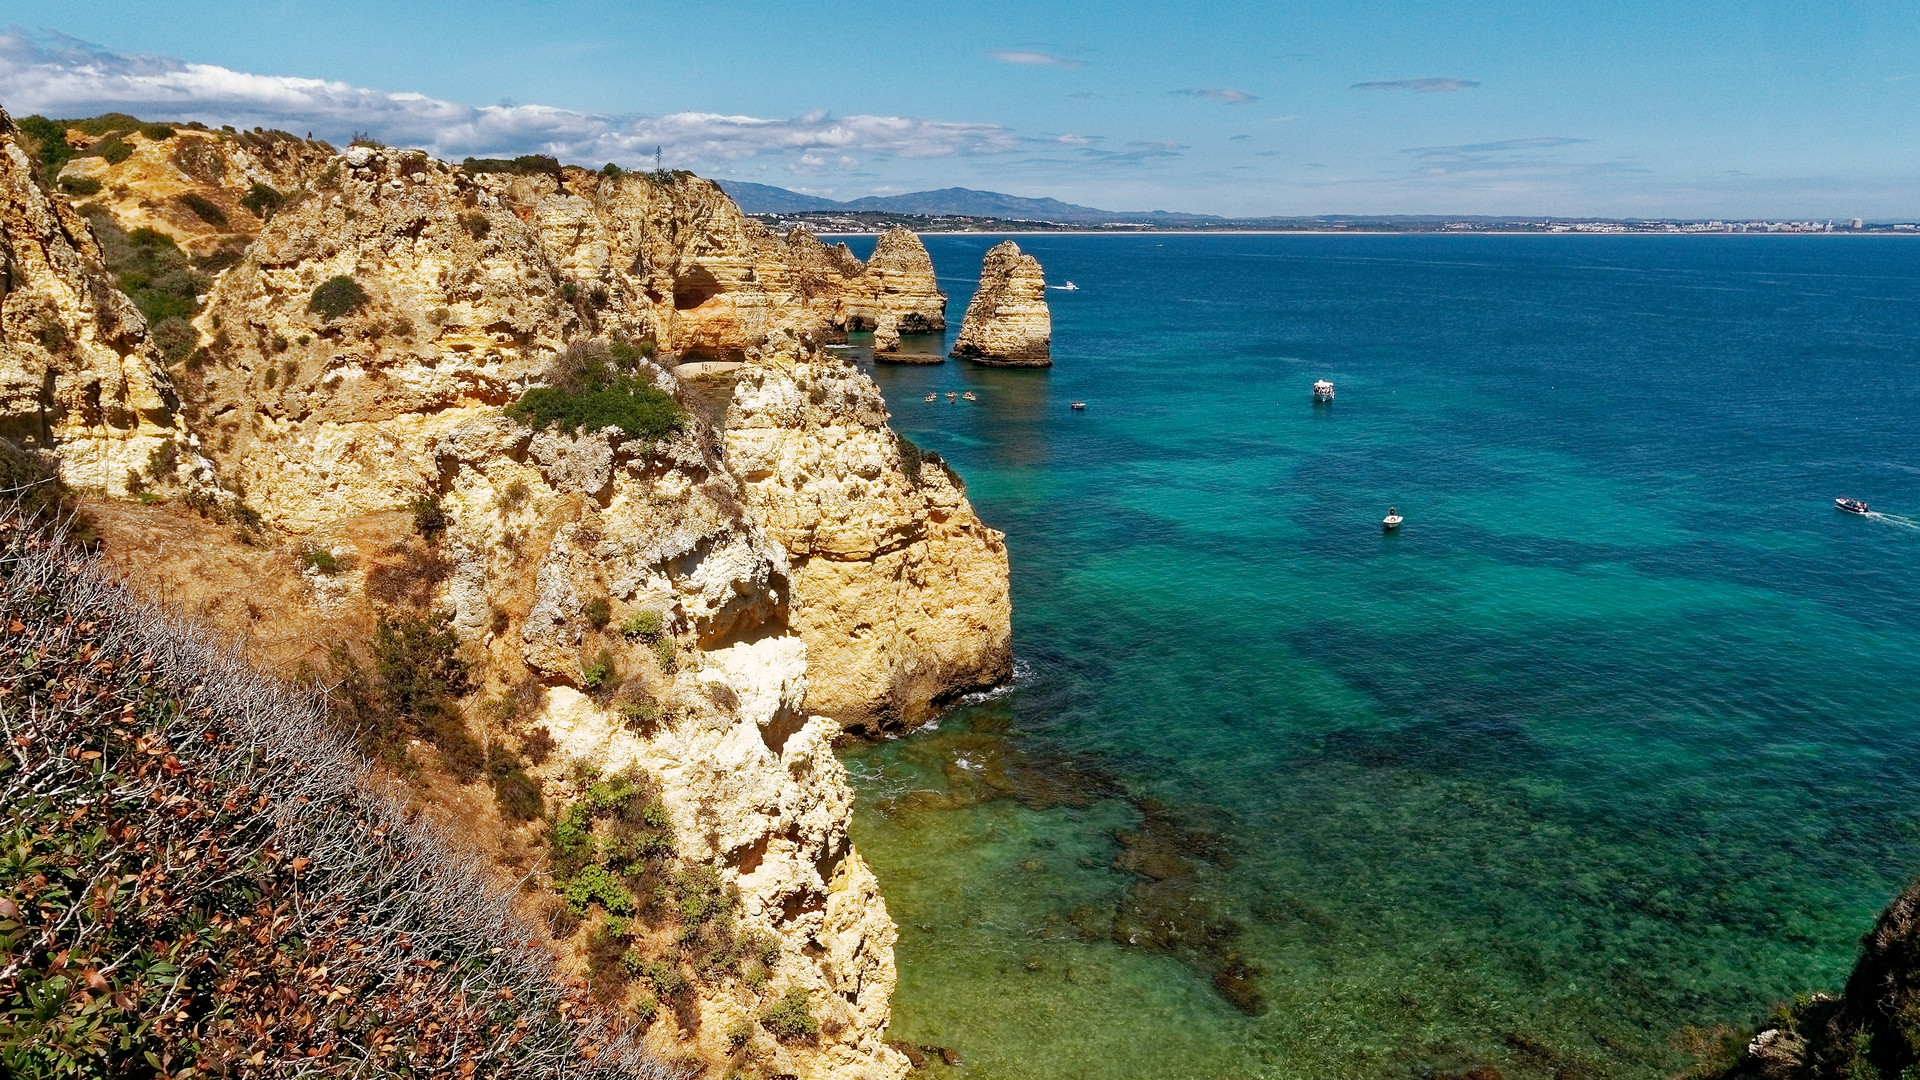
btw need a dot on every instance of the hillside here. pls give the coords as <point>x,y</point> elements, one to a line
<point>946,202</point>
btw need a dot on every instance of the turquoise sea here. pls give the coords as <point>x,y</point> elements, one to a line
<point>1614,743</point>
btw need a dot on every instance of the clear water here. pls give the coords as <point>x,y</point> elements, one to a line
<point>1613,741</point>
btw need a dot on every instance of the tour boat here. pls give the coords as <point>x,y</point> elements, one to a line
<point>1392,520</point>
<point>931,397</point>
<point>1069,287</point>
<point>1079,404</point>
<point>969,396</point>
<point>1851,506</point>
<point>1323,391</point>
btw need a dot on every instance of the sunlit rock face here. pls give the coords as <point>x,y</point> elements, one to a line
<point>1007,322</point>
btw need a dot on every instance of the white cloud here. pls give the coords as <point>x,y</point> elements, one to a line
<point>1418,86</point>
<point>1034,59</point>
<point>61,76</point>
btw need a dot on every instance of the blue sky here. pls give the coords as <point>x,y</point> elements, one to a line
<point>1625,108</point>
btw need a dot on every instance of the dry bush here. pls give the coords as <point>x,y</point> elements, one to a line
<point>204,876</point>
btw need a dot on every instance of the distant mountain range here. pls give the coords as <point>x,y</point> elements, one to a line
<point>947,202</point>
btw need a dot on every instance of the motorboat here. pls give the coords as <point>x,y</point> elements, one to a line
<point>1079,406</point>
<point>1851,506</point>
<point>1323,391</point>
<point>933,397</point>
<point>953,396</point>
<point>1068,287</point>
<point>969,395</point>
<point>1392,520</point>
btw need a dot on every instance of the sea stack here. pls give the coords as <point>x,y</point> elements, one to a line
<point>896,293</point>
<point>1007,324</point>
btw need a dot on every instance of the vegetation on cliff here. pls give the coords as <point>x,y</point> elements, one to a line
<point>200,877</point>
<point>594,385</point>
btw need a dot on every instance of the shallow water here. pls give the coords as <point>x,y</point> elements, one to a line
<point>1612,740</point>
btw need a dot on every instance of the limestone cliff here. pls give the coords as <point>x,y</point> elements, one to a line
<point>900,591</point>
<point>896,293</point>
<point>673,252</point>
<point>79,375</point>
<point>355,365</point>
<point>210,191</point>
<point>1007,323</point>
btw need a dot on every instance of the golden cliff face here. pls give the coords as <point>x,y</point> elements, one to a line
<point>207,190</point>
<point>1007,323</point>
<point>900,591</point>
<point>710,281</point>
<point>78,374</point>
<point>316,409</point>
<point>552,541</point>
<point>801,573</point>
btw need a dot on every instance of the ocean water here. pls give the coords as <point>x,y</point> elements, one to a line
<point>1610,747</point>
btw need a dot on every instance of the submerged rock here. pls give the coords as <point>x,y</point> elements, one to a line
<point>1007,322</point>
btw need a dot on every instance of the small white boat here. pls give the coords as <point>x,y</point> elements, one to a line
<point>1851,506</point>
<point>969,396</point>
<point>931,397</point>
<point>1079,406</point>
<point>952,396</point>
<point>1068,287</point>
<point>1323,391</point>
<point>1392,520</point>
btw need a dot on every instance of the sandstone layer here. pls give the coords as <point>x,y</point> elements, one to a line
<point>79,375</point>
<point>896,293</point>
<point>900,591</point>
<point>1007,323</point>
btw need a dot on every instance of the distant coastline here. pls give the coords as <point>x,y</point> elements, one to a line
<point>987,227</point>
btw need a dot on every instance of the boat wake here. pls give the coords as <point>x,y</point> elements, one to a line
<point>1894,519</point>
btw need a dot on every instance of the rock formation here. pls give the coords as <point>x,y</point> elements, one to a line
<point>1007,322</point>
<point>896,293</point>
<point>900,592</point>
<point>210,191</point>
<point>79,376</point>
<point>707,609</point>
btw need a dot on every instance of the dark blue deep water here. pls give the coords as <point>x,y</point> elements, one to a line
<point>1611,746</point>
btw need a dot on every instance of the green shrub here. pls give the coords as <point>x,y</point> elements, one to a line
<point>104,123</point>
<point>666,655</point>
<point>48,141</point>
<point>612,171</point>
<point>910,456</point>
<point>514,792</point>
<point>790,1019</point>
<point>361,138</point>
<point>637,407</point>
<point>319,558</point>
<point>81,186</point>
<point>151,269</point>
<point>337,296</point>
<point>429,517</point>
<point>262,200</point>
<point>644,625</point>
<point>598,673</point>
<point>595,884</point>
<point>640,716</point>
<point>157,132</point>
<point>113,148</point>
<point>205,209</point>
<point>420,681</point>
<point>525,164</point>
<point>599,611</point>
<point>175,337</point>
<point>477,224</point>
